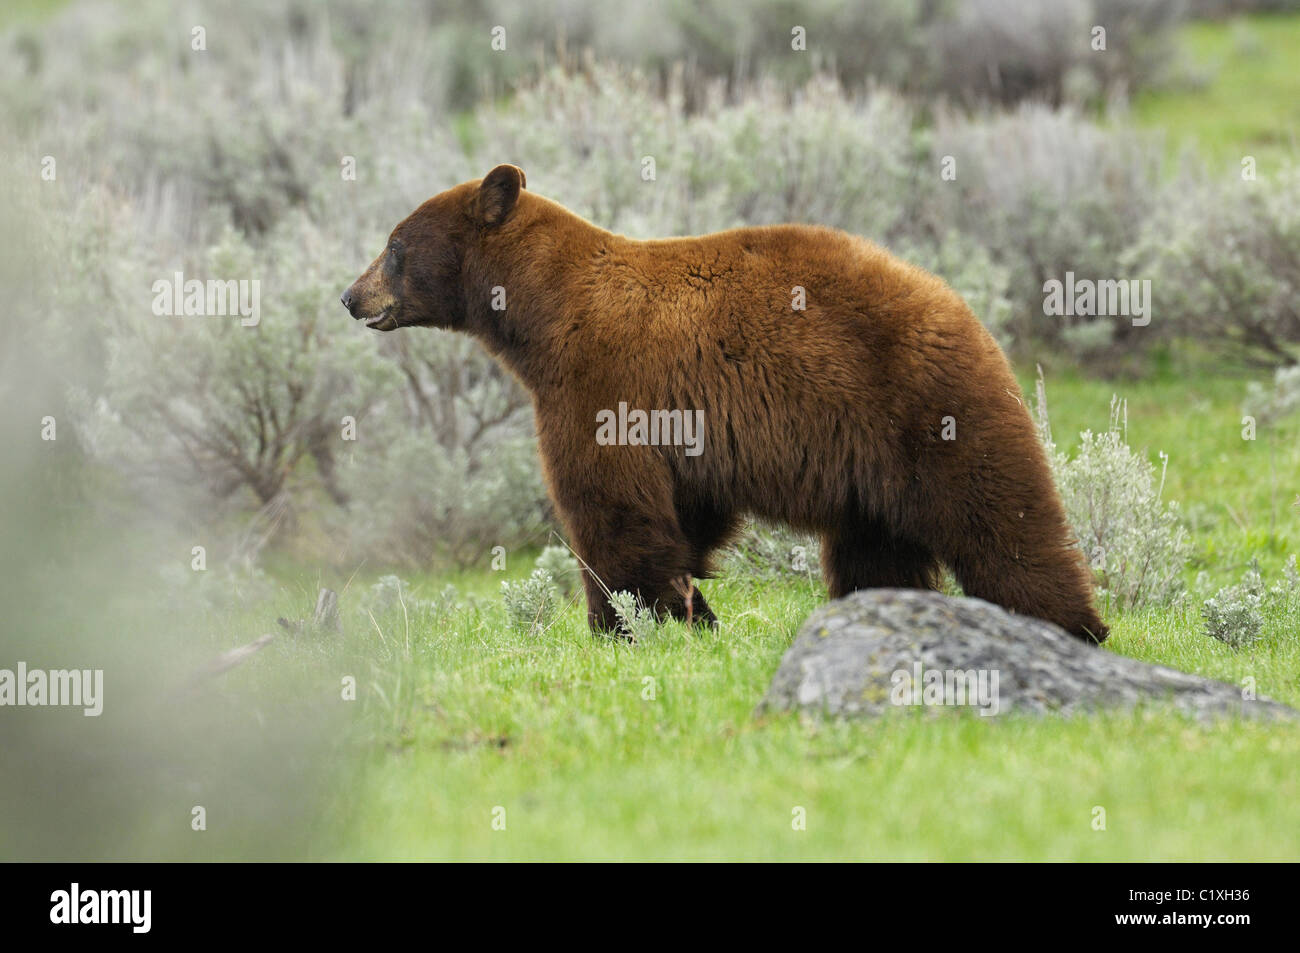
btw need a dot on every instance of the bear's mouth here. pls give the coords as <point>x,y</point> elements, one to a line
<point>384,321</point>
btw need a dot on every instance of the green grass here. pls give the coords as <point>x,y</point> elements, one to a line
<point>558,732</point>
<point>27,12</point>
<point>1237,92</point>
<point>456,715</point>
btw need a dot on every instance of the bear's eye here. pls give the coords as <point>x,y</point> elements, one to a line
<point>393,261</point>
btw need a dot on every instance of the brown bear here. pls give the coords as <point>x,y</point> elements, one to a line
<point>794,373</point>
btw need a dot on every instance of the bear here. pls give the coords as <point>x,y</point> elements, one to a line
<point>793,373</point>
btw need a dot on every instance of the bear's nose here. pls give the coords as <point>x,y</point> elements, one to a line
<point>348,301</point>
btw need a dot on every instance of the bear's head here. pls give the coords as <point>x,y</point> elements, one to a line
<point>419,279</point>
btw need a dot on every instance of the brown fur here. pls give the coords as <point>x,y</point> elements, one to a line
<point>828,419</point>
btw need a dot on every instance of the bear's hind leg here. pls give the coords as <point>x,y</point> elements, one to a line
<point>1032,571</point>
<point>1057,590</point>
<point>863,555</point>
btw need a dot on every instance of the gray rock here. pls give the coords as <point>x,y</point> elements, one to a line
<point>880,649</point>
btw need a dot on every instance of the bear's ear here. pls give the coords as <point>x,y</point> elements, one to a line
<point>499,192</point>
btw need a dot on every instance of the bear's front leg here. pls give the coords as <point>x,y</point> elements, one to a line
<point>674,596</point>
<point>621,522</point>
<point>692,609</point>
<point>618,504</point>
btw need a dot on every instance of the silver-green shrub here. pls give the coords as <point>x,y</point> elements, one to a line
<point>205,403</point>
<point>773,551</point>
<point>1132,539</point>
<point>1235,614</point>
<point>1247,612</point>
<point>448,469</point>
<point>1223,256</point>
<point>415,504</point>
<point>230,163</point>
<point>531,605</point>
<point>811,155</point>
<point>1010,50</point>
<point>1047,192</point>
<point>635,621</point>
<point>1279,399</point>
<point>392,594</point>
<point>563,568</point>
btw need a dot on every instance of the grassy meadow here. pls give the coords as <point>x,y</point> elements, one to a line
<point>432,728</point>
<point>558,730</point>
<point>1238,92</point>
<point>457,715</point>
